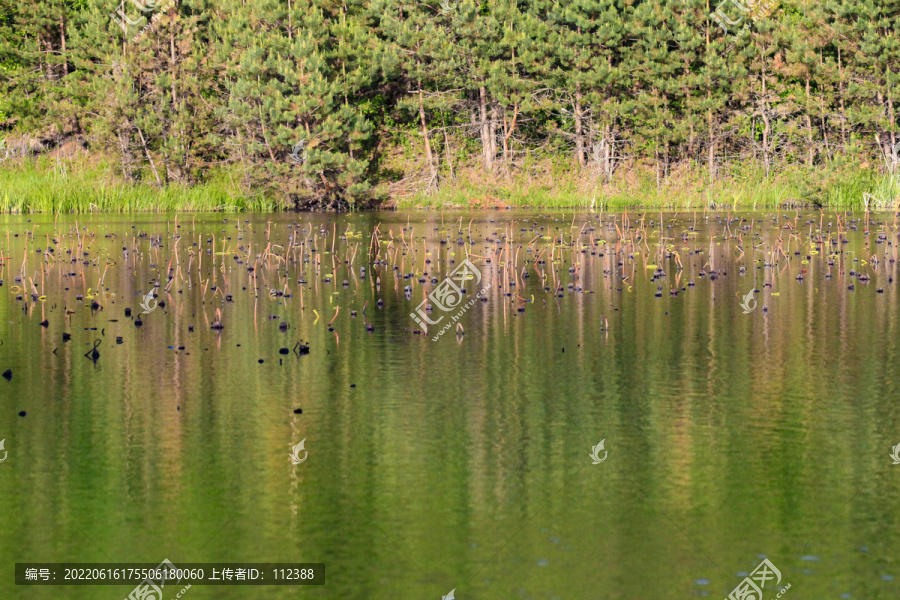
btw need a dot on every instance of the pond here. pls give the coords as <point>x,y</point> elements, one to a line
<point>611,412</point>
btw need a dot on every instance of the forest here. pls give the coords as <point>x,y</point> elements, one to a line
<point>338,104</point>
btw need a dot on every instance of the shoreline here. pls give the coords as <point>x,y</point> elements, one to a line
<point>53,185</point>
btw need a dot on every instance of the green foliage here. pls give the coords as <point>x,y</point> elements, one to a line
<point>317,103</point>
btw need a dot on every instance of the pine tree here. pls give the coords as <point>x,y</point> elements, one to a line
<point>290,88</point>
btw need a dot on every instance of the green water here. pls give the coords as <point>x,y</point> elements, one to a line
<point>462,462</point>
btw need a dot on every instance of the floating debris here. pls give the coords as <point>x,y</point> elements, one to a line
<point>217,324</point>
<point>93,353</point>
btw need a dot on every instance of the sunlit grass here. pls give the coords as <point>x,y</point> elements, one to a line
<point>740,187</point>
<point>49,187</point>
<point>26,188</point>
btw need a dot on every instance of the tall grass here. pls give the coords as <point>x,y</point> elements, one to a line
<point>28,188</point>
<point>739,187</point>
<point>49,186</point>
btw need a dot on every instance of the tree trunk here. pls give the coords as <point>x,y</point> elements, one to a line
<point>656,161</point>
<point>893,142</point>
<point>172,67</point>
<point>486,144</point>
<point>841,96</point>
<point>447,151</point>
<point>687,104</point>
<point>150,158</point>
<point>809,130</point>
<point>882,138</point>
<point>711,148</point>
<point>428,156</point>
<point>508,129</point>
<point>607,152</point>
<point>62,41</point>
<point>767,127</point>
<point>579,127</point>
<point>492,133</point>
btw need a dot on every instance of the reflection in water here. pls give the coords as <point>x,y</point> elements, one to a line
<point>730,435</point>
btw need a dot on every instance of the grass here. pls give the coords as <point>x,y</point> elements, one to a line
<point>740,187</point>
<point>50,186</point>
<point>28,188</point>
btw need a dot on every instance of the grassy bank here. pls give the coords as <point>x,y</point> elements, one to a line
<point>60,187</point>
<point>48,186</point>
<point>741,188</point>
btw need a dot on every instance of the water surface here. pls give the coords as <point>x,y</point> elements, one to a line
<point>462,462</point>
